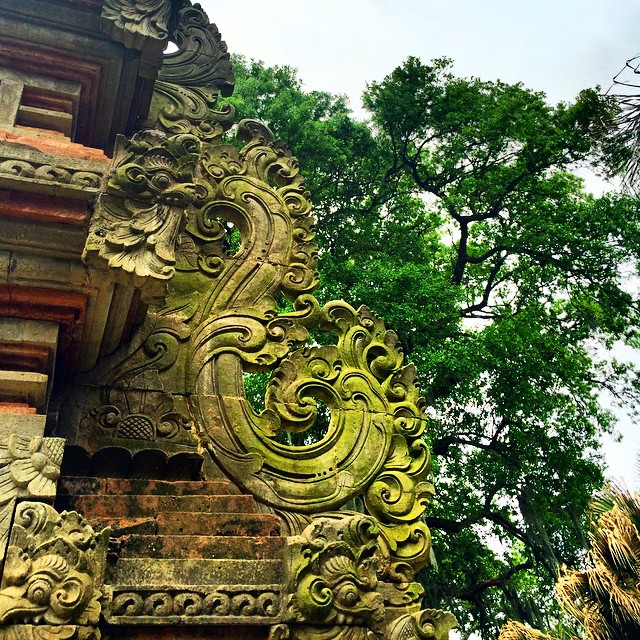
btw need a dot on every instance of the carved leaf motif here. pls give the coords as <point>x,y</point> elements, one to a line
<point>427,624</point>
<point>176,109</point>
<point>133,21</point>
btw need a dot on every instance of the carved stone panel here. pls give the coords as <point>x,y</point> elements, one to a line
<point>53,569</point>
<point>29,468</point>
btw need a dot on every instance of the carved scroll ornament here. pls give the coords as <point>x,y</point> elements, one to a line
<point>53,568</point>
<point>220,319</point>
<point>227,230</point>
<point>334,573</point>
<point>201,59</point>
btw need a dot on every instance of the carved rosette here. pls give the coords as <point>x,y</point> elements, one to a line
<point>53,569</point>
<point>29,468</point>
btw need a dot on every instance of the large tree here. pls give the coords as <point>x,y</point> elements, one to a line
<point>455,216</point>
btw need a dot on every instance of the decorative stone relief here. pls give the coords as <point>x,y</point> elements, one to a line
<point>134,22</point>
<point>217,234</point>
<point>29,468</point>
<point>428,624</point>
<point>137,222</point>
<point>48,632</point>
<point>334,573</point>
<point>202,605</point>
<point>49,172</point>
<point>53,568</point>
<point>201,60</point>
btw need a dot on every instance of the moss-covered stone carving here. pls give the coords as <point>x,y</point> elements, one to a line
<point>334,573</point>
<point>216,233</point>
<point>135,22</point>
<point>53,569</point>
<point>29,469</point>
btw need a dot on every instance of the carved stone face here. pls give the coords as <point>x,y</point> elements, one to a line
<point>50,569</point>
<point>46,589</point>
<point>337,572</point>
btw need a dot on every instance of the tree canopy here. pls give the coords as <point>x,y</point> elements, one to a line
<point>455,215</point>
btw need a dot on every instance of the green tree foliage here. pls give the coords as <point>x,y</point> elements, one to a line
<point>454,215</point>
<point>603,598</point>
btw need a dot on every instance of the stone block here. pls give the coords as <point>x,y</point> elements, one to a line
<point>24,386</point>
<point>24,425</point>
<point>213,547</point>
<point>32,331</point>
<point>101,506</point>
<point>218,524</point>
<point>170,572</point>
<point>76,485</point>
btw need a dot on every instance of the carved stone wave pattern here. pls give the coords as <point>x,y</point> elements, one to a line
<point>50,173</point>
<point>193,602</point>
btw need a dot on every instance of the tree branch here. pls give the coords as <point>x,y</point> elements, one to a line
<point>472,592</point>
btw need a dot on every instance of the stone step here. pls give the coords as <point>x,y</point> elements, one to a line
<point>218,524</point>
<point>126,526</point>
<point>127,506</point>
<point>166,546</point>
<point>178,630</point>
<point>188,523</point>
<point>77,485</point>
<point>140,574</point>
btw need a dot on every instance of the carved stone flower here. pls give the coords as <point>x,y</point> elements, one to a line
<point>35,464</point>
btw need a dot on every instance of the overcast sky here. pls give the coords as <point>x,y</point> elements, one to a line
<point>555,46</point>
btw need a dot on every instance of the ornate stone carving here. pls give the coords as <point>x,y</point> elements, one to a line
<point>333,573</point>
<point>29,468</point>
<point>49,172</point>
<point>135,22</point>
<point>428,624</point>
<point>53,568</point>
<point>252,604</point>
<point>138,221</point>
<point>226,232</point>
<point>202,59</point>
<point>48,632</point>
<point>176,109</point>
<point>373,446</point>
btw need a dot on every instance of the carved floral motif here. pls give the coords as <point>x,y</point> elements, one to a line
<point>29,468</point>
<point>53,568</point>
<point>133,22</point>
